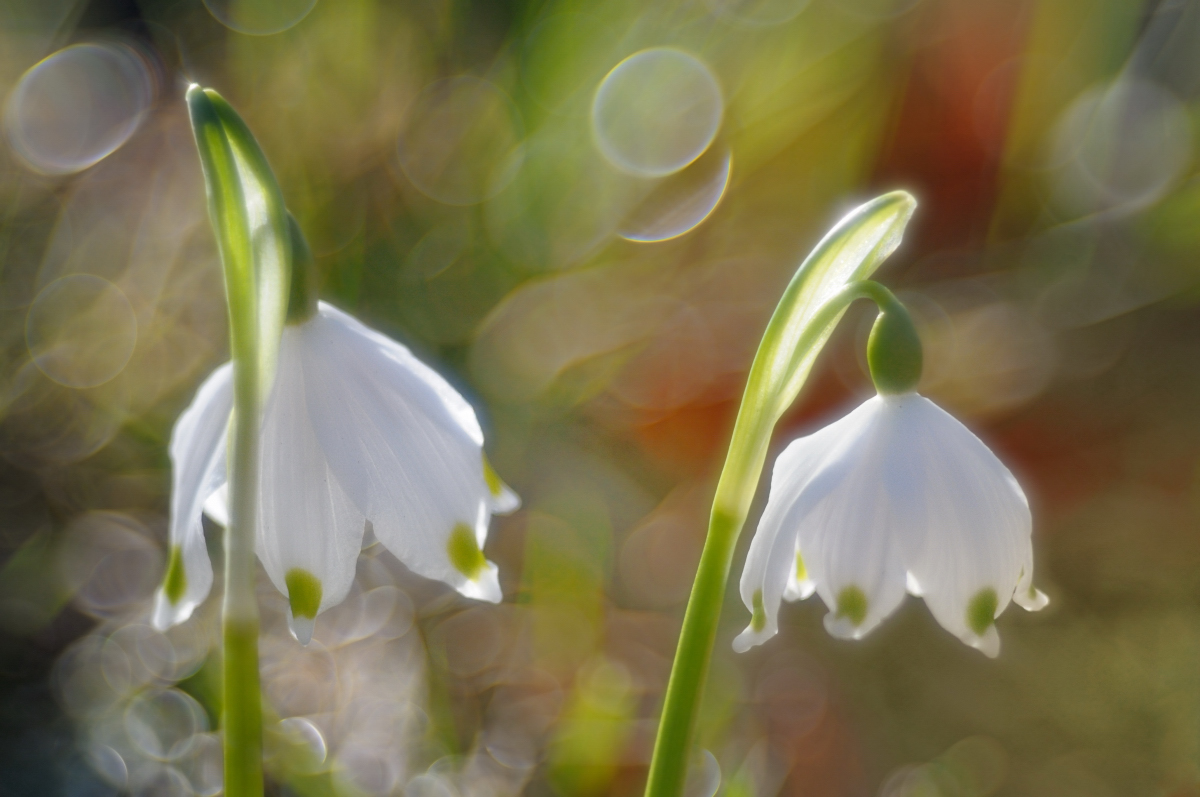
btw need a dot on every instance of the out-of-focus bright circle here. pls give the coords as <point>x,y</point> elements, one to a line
<point>81,330</point>
<point>462,143</point>
<point>163,725</point>
<point>758,12</point>
<point>703,776</point>
<point>427,785</point>
<point>259,17</point>
<point>109,764</point>
<point>202,766</point>
<point>309,748</point>
<point>47,423</point>
<point>656,112</point>
<point>74,107</point>
<point>682,201</point>
<point>152,779</point>
<point>108,561</point>
<point>1119,146</point>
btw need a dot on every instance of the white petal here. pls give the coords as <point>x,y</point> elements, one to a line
<point>912,585</point>
<point>1027,596</point>
<point>309,532</point>
<point>806,498</point>
<point>847,531</point>
<point>964,520</point>
<point>799,585</point>
<point>406,448</point>
<point>770,562</point>
<point>217,506</point>
<point>197,468</point>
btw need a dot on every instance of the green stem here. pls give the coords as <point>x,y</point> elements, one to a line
<point>735,490</point>
<point>242,716</point>
<point>242,703</point>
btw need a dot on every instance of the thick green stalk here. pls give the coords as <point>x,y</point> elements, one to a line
<point>241,717</point>
<point>827,282</point>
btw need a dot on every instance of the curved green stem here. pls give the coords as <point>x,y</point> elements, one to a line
<point>743,467</point>
<point>826,283</point>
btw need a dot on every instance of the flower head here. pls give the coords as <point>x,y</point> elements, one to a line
<point>896,496</point>
<point>356,429</point>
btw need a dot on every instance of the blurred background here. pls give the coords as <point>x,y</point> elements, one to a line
<point>583,214</point>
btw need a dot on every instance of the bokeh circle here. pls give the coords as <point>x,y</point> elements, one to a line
<point>81,330</point>
<point>77,106</point>
<point>259,17</point>
<point>656,112</point>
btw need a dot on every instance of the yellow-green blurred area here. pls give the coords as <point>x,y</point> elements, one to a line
<point>582,214</point>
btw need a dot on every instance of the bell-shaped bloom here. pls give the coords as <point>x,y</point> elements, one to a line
<point>356,429</point>
<point>897,496</point>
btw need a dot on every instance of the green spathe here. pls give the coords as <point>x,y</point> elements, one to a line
<point>304,592</point>
<point>464,552</point>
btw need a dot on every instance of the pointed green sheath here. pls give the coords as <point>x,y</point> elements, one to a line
<point>248,216</point>
<point>798,330</point>
<point>815,300</point>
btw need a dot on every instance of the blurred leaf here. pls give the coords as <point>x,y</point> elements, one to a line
<point>586,752</point>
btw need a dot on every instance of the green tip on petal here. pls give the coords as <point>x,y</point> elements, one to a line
<point>494,485</point>
<point>304,592</point>
<point>852,604</point>
<point>758,619</point>
<point>801,569</point>
<point>175,583</point>
<point>981,611</point>
<point>464,552</point>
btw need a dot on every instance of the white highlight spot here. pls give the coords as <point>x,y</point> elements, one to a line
<point>656,112</point>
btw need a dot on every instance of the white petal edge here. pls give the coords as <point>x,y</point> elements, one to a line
<point>197,451</point>
<point>404,445</point>
<point>766,563</point>
<point>964,521</point>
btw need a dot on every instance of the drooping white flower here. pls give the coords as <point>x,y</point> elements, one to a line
<point>896,496</point>
<point>356,429</point>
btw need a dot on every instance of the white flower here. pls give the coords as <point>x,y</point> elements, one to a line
<point>356,429</point>
<point>896,495</point>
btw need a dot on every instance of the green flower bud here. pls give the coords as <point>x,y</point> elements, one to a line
<point>894,351</point>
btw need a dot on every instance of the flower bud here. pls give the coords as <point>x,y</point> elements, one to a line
<point>894,351</point>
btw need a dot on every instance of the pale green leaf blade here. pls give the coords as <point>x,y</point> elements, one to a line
<point>248,215</point>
